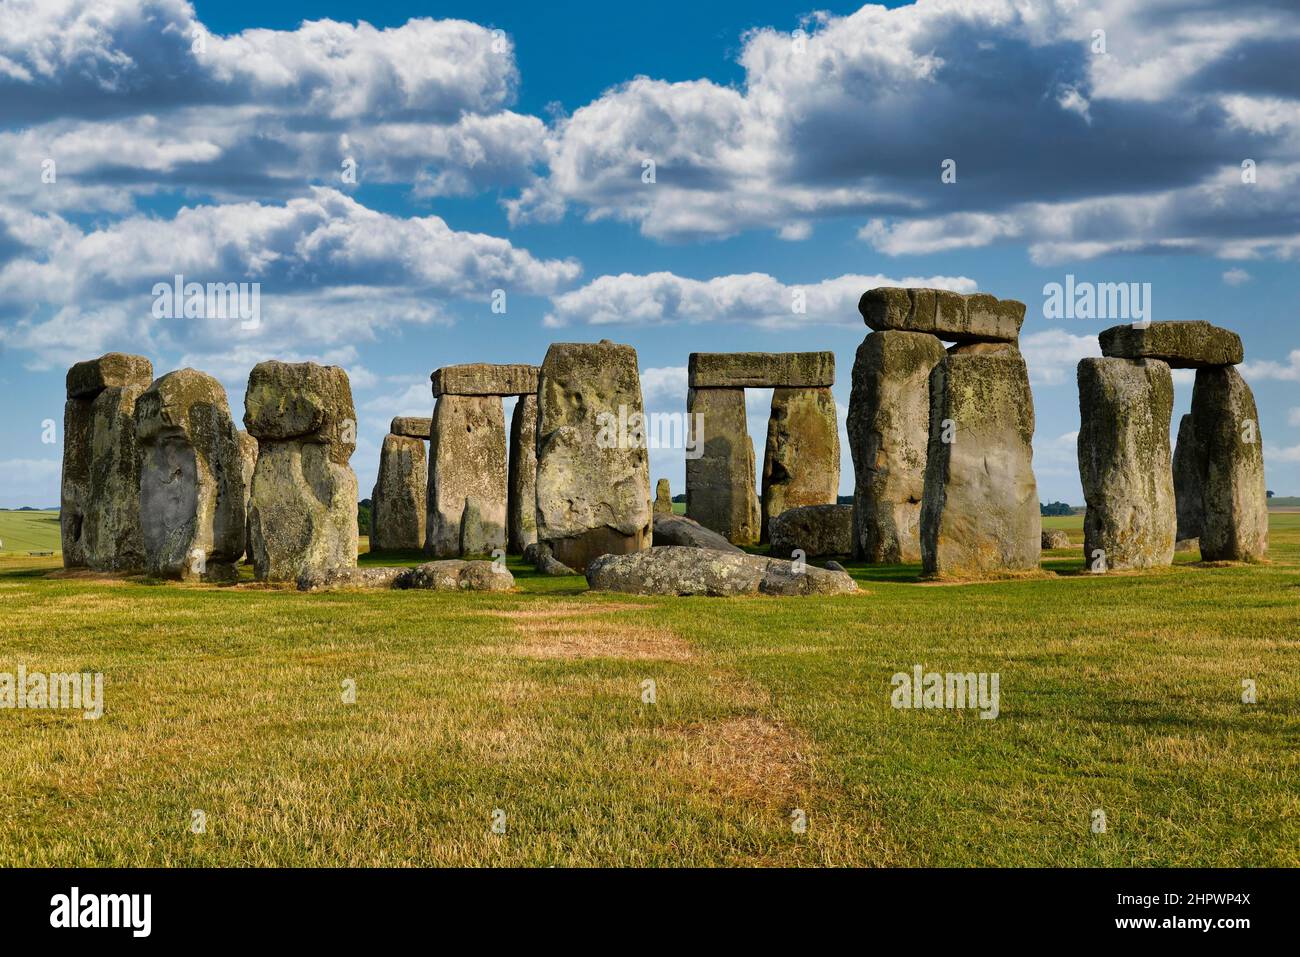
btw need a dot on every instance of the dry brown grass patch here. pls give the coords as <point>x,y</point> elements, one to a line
<point>750,758</point>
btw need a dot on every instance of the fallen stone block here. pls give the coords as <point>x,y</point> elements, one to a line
<point>816,530</point>
<point>953,316</point>
<point>458,575</point>
<point>674,570</point>
<point>1181,345</point>
<point>672,529</point>
<point>1055,538</point>
<point>761,370</point>
<point>347,579</point>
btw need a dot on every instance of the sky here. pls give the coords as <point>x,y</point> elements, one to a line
<point>673,176</point>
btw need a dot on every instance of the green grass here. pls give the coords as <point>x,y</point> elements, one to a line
<point>23,532</point>
<point>1119,692</point>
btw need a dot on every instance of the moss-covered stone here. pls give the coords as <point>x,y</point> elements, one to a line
<point>954,316</point>
<point>1182,345</point>
<point>112,370</point>
<point>1189,473</point>
<point>521,504</point>
<point>468,483</point>
<point>397,504</point>
<point>411,426</point>
<point>720,487</point>
<point>1124,464</point>
<point>485,379</point>
<point>1234,522</point>
<point>761,370</point>
<point>801,464</point>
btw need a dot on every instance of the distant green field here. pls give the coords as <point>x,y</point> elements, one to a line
<point>23,532</point>
<point>1119,693</point>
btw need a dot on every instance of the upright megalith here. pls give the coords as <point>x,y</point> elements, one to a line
<point>1125,407</point>
<point>980,510</point>
<point>1189,467</point>
<point>663,504</point>
<point>191,479</point>
<point>302,511</point>
<point>801,464</point>
<point>397,504</point>
<point>593,475</point>
<point>888,429</point>
<point>522,492</point>
<point>99,518</point>
<point>1234,503</point>
<point>247,465</point>
<point>467,491</point>
<point>721,493</point>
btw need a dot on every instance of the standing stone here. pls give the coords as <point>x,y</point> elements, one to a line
<point>980,511</point>
<point>1189,468</point>
<point>1234,501</point>
<point>889,428</point>
<point>593,472</point>
<point>99,519</point>
<point>191,479</point>
<point>1124,409</point>
<point>801,465</point>
<point>302,513</point>
<point>397,504</point>
<point>720,491</point>
<point>247,464</point>
<point>522,495</point>
<point>467,477</point>
<point>663,498</point>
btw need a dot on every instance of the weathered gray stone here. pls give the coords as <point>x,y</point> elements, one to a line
<point>397,504</point>
<point>448,575</point>
<point>458,575</point>
<point>1187,545</point>
<point>720,491</point>
<point>99,517</point>
<point>675,570</point>
<point>672,529</point>
<point>482,378</point>
<point>411,426</point>
<point>191,479</point>
<point>113,370</point>
<point>1189,469</point>
<point>593,478</point>
<point>801,465</point>
<point>1234,523</point>
<point>889,427</point>
<point>468,482</point>
<point>540,556</point>
<point>1182,345</point>
<point>954,316</point>
<point>1055,538</point>
<point>522,492</point>
<point>1124,408</point>
<point>663,498</point>
<point>980,510</point>
<point>302,509</point>
<point>342,579</point>
<point>816,530</point>
<point>247,465</point>
<point>761,370</point>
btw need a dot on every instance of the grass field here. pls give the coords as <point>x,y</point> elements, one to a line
<point>1120,693</point>
<point>23,532</point>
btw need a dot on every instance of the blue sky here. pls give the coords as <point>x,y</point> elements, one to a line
<point>208,139</point>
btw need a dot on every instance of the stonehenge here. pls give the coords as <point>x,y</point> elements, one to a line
<point>593,476</point>
<point>191,495</point>
<point>942,440</point>
<point>302,509</point>
<point>469,479</point>
<point>99,515</point>
<point>801,460</point>
<point>157,478</point>
<point>1141,501</point>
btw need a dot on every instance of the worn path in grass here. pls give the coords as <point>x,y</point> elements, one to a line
<point>1119,693</point>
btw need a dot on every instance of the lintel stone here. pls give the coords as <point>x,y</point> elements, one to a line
<point>413,427</point>
<point>483,378</point>
<point>761,370</point>
<point>1182,345</point>
<point>952,316</point>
